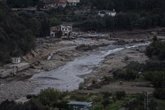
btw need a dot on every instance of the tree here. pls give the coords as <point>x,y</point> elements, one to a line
<point>22,3</point>
<point>106,101</point>
<point>120,94</point>
<point>30,105</point>
<point>15,38</point>
<point>131,14</point>
<point>52,98</point>
<point>156,49</point>
<point>159,93</point>
<point>157,78</point>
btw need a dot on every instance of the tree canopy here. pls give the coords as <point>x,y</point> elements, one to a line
<point>19,30</point>
<point>131,14</point>
<point>22,3</point>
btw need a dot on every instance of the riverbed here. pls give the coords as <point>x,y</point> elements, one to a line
<point>66,78</point>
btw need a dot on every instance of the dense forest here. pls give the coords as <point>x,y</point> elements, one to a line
<point>22,3</point>
<point>129,5</point>
<point>15,38</point>
<point>131,14</point>
<point>18,32</point>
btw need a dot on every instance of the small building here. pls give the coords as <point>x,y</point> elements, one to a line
<point>107,13</point>
<point>54,31</point>
<point>101,13</point>
<point>61,30</point>
<point>76,105</point>
<point>111,13</point>
<point>73,2</point>
<point>48,4</point>
<point>66,29</point>
<point>62,3</point>
<point>16,60</point>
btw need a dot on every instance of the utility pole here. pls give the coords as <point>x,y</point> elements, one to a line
<point>146,101</point>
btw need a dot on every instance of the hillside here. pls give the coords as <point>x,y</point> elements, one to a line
<point>15,38</point>
<point>131,14</point>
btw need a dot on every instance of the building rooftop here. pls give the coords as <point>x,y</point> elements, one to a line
<point>76,1</point>
<point>89,104</point>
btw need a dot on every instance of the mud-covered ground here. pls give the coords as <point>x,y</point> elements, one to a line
<point>63,52</point>
<point>110,64</point>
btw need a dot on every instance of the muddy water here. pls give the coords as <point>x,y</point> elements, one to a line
<point>66,78</point>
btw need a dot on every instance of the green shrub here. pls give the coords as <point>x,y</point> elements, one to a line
<point>120,94</point>
<point>52,98</point>
<point>159,93</point>
<point>127,74</point>
<point>30,105</point>
<point>156,49</point>
<point>157,78</point>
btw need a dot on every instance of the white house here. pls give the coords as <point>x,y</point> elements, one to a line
<point>64,29</point>
<point>111,13</point>
<point>54,3</point>
<point>16,60</point>
<point>101,13</point>
<point>107,13</point>
<point>52,34</point>
<point>73,2</point>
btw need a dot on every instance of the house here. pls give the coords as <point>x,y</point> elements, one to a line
<point>111,13</point>
<point>61,30</point>
<point>54,31</point>
<point>62,3</point>
<point>76,105</point>
<point>101,13</point>
<point>16,60</point>
<point>107,13</point>
<point>73,2</point>
<point>54,3</point>
<point>59,3</point>
<point>47,4</point>
<point>66,29</point>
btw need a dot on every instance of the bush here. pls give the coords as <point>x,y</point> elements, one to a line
<point>159,93</point>
<point>156,49</point>
<point>130,72</point>
<point>136,66</point>
<point>31,105</point>
<point>22,3</point>
<point>127,74</point>
<point>154,65</point>
<point>156,77</point>
<point>54,21</point>
<point>79,97</point>
<point>120,94</point>
<point>52,98</point>
<point>84,47</point>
